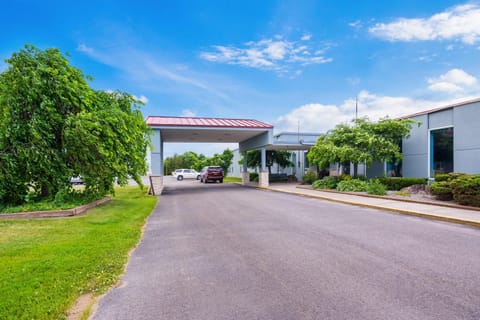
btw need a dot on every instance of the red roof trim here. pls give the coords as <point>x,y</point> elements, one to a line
<point>458,104</point>
<point>164,121</point>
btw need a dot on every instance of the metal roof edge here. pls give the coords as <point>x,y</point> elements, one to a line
<point>450,106</point>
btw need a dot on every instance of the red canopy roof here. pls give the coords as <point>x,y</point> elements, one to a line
<point>161,121</point>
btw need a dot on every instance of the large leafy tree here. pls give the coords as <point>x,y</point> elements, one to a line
<point>54,126</point>
<point>363,141</point>
<point>223,159</point>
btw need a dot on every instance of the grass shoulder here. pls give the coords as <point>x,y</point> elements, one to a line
<point>47,263</point>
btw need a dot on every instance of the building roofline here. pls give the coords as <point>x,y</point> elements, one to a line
<point>292,133</point>
<point>450,106</point>
<point>176,121</point>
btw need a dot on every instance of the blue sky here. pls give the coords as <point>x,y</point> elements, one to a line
<point>288,63</point>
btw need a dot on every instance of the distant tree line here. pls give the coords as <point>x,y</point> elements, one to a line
<point>191,160</point>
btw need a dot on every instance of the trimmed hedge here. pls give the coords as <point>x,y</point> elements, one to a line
<point>396,184</point>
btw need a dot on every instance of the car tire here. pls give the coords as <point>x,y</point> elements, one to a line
<point>180,178</point>
<point>198,177</point>
<point>221,180</point>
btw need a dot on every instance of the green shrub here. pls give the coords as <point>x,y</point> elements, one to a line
<point>439,177</point>
<point>326,183</point>
<point>253,176</point>
<point>448,176</point>
<point>466,189</point>
<point>398,183</point>
<point>442,190</point>
<point>352,185</point>
<point>344,176</point>
<point>309,177</point>
<point>377,188</point>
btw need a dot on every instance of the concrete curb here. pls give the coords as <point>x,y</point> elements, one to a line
<point>394,210</point>
<point>440,204</point>
<point>56,213</point>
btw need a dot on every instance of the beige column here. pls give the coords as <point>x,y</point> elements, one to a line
<point>263,179</point>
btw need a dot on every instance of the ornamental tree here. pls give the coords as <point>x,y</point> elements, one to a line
<point>362,142</point>
<point>280,157</point>
<point>54,126</point>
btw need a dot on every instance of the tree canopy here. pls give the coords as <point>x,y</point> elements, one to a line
<point>54,126</point>
<point>363,141</point>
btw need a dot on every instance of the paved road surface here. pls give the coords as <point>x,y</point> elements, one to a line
<point>222,251</point>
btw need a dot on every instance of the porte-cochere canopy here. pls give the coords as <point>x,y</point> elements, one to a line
<point>249,134</point>
<point>193,129</point>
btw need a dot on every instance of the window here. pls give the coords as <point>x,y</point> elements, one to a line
<point>441,151</point>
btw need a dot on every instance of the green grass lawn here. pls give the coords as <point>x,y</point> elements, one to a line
<point>46,264</point>
<point>232,179</point>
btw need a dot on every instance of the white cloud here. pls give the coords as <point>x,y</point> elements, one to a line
<point>355,24</point>
<point>427,58</point>
<point>83,48</point>
<point>317,117</point>
<point>141,98</point>
<point>458,23</point>
<point>146,69</point>
<point>188,113</point>
<point>455,80</point>
<point>276,54</point>
<point>306,37</point>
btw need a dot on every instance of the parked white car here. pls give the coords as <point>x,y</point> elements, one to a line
<point>181,174</point>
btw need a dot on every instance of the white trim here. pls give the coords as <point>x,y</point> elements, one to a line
<point>429,159</point>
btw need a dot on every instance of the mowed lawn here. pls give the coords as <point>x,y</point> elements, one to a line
<point>46,264</point>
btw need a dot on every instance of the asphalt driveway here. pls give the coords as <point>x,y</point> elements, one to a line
<point>222,251</point>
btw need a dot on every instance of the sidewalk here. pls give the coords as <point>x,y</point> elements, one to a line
<point>425,210</point>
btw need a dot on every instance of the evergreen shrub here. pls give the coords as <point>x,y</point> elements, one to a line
<point>442,190</point>
<point>466,190</point>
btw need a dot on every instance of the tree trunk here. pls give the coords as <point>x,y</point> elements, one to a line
<point>355,170</point>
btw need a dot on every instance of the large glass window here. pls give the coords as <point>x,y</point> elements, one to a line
<point>441,151</point>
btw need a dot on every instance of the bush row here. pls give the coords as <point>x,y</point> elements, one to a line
<point>460,187</point>
<point>353,185</point>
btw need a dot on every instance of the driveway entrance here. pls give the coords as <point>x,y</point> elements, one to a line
<point>223,251</point>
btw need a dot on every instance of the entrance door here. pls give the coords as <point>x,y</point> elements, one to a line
<point>441,151</point>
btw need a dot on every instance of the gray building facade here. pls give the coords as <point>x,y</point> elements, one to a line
<point>298,143</point>
<point>447,140</point>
